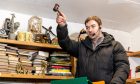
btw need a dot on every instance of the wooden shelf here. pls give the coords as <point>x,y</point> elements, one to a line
<point>137,79</point>
<point>30,76</point>
<point>24,43</point>
<point>133,54</point>
<point>133,81</point>
<point>130,81</point>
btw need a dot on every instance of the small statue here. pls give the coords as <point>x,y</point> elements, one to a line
<point>48,38</point>
<point>13,28</point>
<point>48,32</point>
<point>6,28</point>
<point>13,25</point>
<point>19,68</point>
<point>9,27</point>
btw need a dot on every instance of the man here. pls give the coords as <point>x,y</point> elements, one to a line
<point>99,56</point>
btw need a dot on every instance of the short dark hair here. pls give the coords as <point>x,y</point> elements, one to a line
<point>96,18</point>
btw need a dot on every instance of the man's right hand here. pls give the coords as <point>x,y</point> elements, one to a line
<point>61,19</point>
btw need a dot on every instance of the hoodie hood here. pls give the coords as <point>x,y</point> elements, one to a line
<point>108,38</point>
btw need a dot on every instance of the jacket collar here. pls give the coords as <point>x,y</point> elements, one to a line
<point>107,41</point>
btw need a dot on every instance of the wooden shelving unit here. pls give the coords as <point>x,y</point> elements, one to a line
<point>24,43</point>
<point>130,81</point>
<point>133,54</point>
<point>30,76</point>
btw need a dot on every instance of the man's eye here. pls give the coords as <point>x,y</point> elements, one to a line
<point>87,27</point>
<point>92,26</point>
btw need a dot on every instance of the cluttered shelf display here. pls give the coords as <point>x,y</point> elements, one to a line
<point>34,33</point>
<point>34,63</point>
<point>37,62</point>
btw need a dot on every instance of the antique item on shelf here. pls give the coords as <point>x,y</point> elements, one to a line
<point>28,37</point>
<point>23,67</point>
<point>43,67</point>
<point>13,27</point>
<point>6,29</point>
<point>19,68</point>
<point>55,41</point>
<point>16,25</point>
<point>3,36</point>
<point>46,38</point>
<point>12,36</point>
<point>49,30</point>
<point>21,36</point>
<point>25,36</point>
<point>35,25</point>
<point>42,38</point>
<point>12,24</point>
<point>38,38</point>
<point>9,28</point>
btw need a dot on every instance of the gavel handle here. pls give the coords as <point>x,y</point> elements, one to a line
<point>60,13</point>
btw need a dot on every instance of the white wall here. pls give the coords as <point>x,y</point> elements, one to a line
<point>123,37</point>
<point>135,40</point>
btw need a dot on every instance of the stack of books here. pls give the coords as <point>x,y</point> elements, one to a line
<point>13,61</point>
<point>3,59</point>
<point>59,64</point>
<point>12,53</point>
<point>40,62</point>
<point>24,60</point>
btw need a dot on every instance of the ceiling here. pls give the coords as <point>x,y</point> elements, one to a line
<point>121,15</point>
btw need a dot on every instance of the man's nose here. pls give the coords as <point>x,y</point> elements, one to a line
<point>90,29</point>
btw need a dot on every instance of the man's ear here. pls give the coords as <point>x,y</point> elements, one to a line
<point>100,27</point>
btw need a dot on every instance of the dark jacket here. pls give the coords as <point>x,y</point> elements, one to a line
<point>107,62</point>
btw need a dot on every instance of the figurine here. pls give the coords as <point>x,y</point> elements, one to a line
<point>47,33</point>
<point>9,27</point>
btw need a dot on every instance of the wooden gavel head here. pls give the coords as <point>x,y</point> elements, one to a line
<point>56,8</point>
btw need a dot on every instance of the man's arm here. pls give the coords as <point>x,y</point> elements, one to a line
<point>122,66</point>
<point>65,42</point>
<point>63,39</point>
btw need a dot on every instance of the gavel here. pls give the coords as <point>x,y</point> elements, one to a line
<point>56,9</point>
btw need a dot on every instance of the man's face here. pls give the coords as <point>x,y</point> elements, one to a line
<point>92,29</point>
